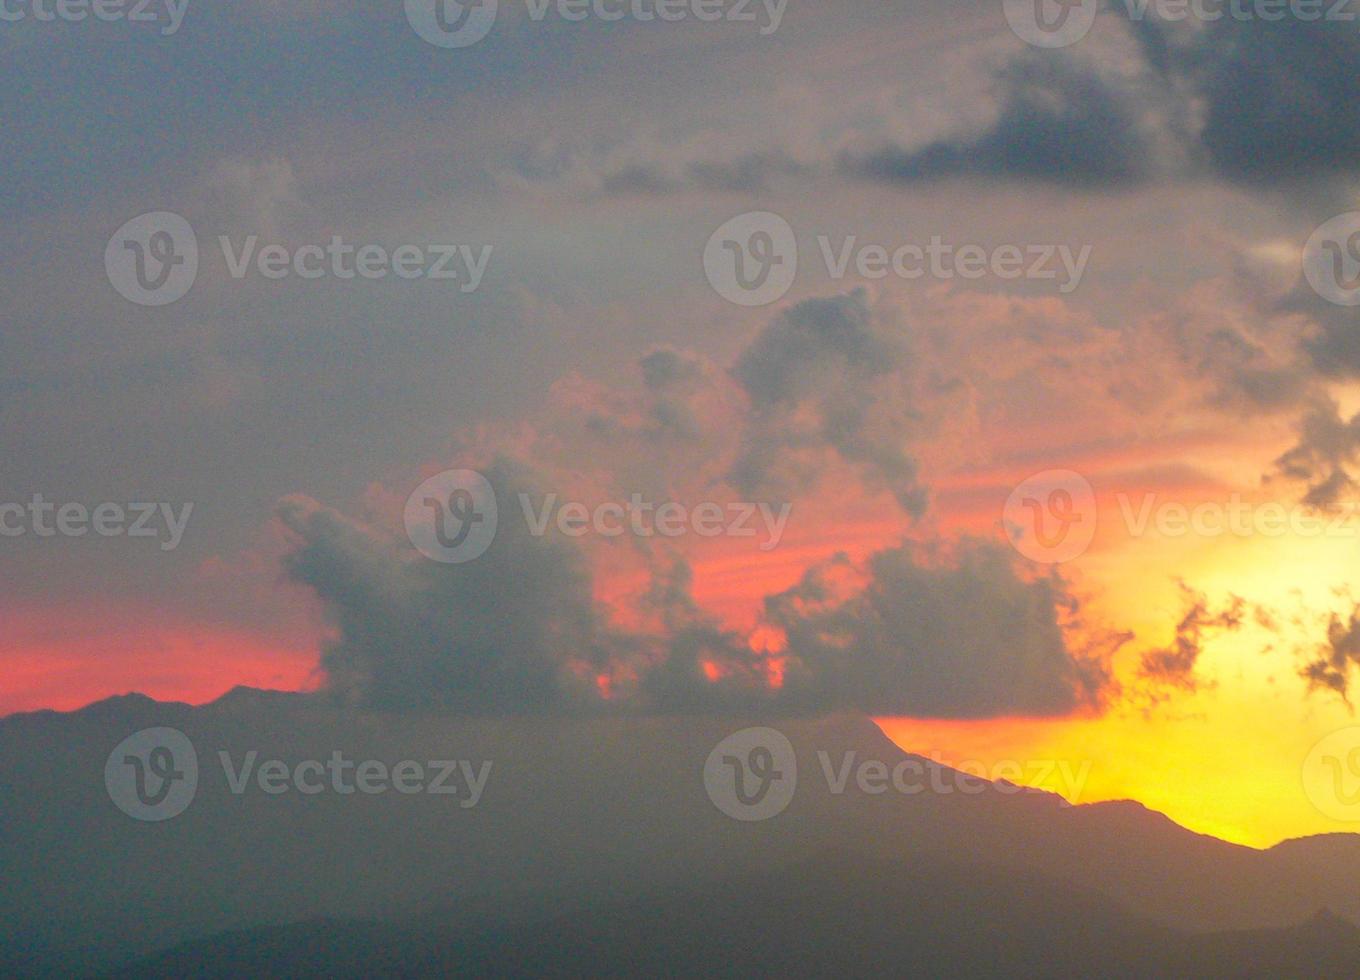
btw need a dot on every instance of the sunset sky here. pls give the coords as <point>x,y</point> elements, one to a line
<point>1191,364</point>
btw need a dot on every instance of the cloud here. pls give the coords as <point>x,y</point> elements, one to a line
<point>1253,102</point>
<point>965,637</point>
<point>1059,121</point>
<point>1328,446</point>
<point>643,166</point>
<point>509,631</point>
<point>260,197</point>
<point>747,173</point>
<point>517,630</point>
<point>1282,100</point>
<point>1340,654</point>
<point>829,375</point>
<point>1238,344</point>
<point>1174,666</point>
<point>702,667</point>
<point>833,392</point>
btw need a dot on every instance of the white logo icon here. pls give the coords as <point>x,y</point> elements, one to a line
<point>153,259</point>
<point>1331,775</point>
<point>1051,23</point>
<point>752,774</point>
<point>451,517</point>
<point>1331,260</point>
<point>451,23</point>
<point>752,259</point>
<point>1051,517</point>
<point>153,774</point>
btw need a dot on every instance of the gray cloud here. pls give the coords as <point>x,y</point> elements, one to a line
<point>1282,100</point>
<point>1174,666</point>
<point>829,375</point>
<point>969,638</point>
<point>748,173</point>
<point>1255,102</point>
<point>503,632</point>
<point>1328,446</point>
<point>1059,121</point>
<point>1340,655</point>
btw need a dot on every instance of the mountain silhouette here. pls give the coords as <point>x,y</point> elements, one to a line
<point>840,915</point>
<point>588,824</point>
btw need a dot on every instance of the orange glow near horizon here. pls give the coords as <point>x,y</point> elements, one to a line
<point>53,661</point>
<point>1224,759</point>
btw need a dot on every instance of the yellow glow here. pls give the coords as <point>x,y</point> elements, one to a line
<point>1228,759</point>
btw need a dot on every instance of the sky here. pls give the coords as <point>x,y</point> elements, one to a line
<point>1003,391</point>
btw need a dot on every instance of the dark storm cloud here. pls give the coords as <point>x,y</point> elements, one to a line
<point>1282,99</point>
